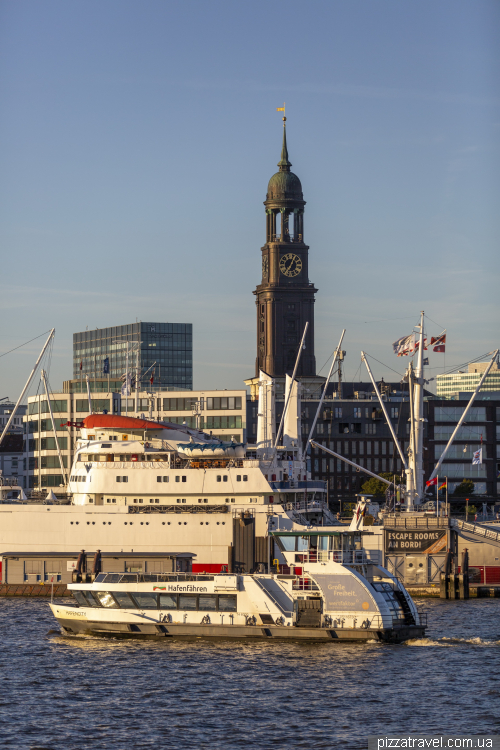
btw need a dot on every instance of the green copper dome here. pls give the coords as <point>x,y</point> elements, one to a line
<point>284,185</point>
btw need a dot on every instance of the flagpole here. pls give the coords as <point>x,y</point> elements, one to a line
<point>447,508</point>
<point>437,498</point>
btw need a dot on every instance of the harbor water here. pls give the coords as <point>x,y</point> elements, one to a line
<point>61,693</point>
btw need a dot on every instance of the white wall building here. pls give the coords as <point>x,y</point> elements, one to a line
<point>467,382</point>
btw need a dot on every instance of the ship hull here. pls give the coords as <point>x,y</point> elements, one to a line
<point>255,632</point>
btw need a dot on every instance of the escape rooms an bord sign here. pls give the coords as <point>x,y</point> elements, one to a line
<point>418,540</point>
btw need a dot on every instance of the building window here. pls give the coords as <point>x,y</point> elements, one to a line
<point>371,429</point>
<point>394,412</point>
<point>338,412</point>
<point>224,402</point>
<point>357,412</point>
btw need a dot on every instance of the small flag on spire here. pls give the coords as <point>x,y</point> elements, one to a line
<point>281,109</point>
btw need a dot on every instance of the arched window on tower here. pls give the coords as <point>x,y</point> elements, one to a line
<point>277,226</point>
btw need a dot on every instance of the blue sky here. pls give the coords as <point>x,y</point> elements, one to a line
<point>137,140</point>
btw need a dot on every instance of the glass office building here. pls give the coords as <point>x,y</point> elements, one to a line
<point>165,348</point>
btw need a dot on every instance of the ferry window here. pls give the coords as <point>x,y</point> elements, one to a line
<point>82,602</point>
<point>227,499</point>
<point>93,602</point>
<point>245,478</point>
<point>165,479</point>
<point>141,500</point>
<point>323,543</point>
<point>177,479</point>
<point>233,500</point>
<point>238,477</point>
<point>106,599</point>
<point>219,478</point>
<point>200,500</point>
<point>208,601</point>
<point>178,499</point>
<point>158,479</point>
<point>145,600</point>
<point>225,478</point>
<point>227,603</point>
<point>168,601</point>
<point>157,499</point>
<point>205,500</point>
<point>123,599</point>
<point>302,543</point>
<point>286,543</point>
<point>184,479</point>
<point>188,601</point>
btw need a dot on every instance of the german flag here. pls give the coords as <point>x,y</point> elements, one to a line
<point>444,485</point>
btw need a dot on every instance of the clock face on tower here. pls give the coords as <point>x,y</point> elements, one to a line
<point>290,265</point>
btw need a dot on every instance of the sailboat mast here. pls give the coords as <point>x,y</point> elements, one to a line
<point>418,411</point>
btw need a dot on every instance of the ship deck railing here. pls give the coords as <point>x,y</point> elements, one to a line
<point>151,577</point>
<point>403,521</point>
<point>344,557</point>
<point>180,508</point>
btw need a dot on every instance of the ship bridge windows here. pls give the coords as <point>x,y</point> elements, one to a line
<point>156,500</point>
<point>162,479</point>
<point>111,500</point>
<point>239,477</point>
<point>138,500</point>
<point>181,499</point>
<point>203,500</point>
<point>106,599</point>
<point>145,600</point>
<point>151,600</point>
<point>122,479</point>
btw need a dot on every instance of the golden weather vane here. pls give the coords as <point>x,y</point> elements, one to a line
<point>282,109</point>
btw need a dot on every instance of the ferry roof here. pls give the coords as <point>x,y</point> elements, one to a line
<point>114,421</point>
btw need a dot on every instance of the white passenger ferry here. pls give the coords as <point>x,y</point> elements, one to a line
<point>338,595</point>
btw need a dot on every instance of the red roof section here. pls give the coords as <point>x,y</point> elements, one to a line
<point>113,421</point>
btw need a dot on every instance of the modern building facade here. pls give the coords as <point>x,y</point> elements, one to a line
<point>285,296</point>
<point>221,413</point>
<point>165,349</point>
<point>447,386</point>
<point>12,446</point>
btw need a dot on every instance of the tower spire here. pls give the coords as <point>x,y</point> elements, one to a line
<point>284,164</point>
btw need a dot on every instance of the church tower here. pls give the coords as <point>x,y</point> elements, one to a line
<point>285,297</point>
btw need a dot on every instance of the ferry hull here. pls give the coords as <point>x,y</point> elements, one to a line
<point>189,630</point>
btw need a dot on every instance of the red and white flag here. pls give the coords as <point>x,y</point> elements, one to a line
<point>404,346</point>
<point>438,343</point>
<point>431,482</point>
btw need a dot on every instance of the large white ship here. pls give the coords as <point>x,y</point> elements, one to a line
<point>137,485</point>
